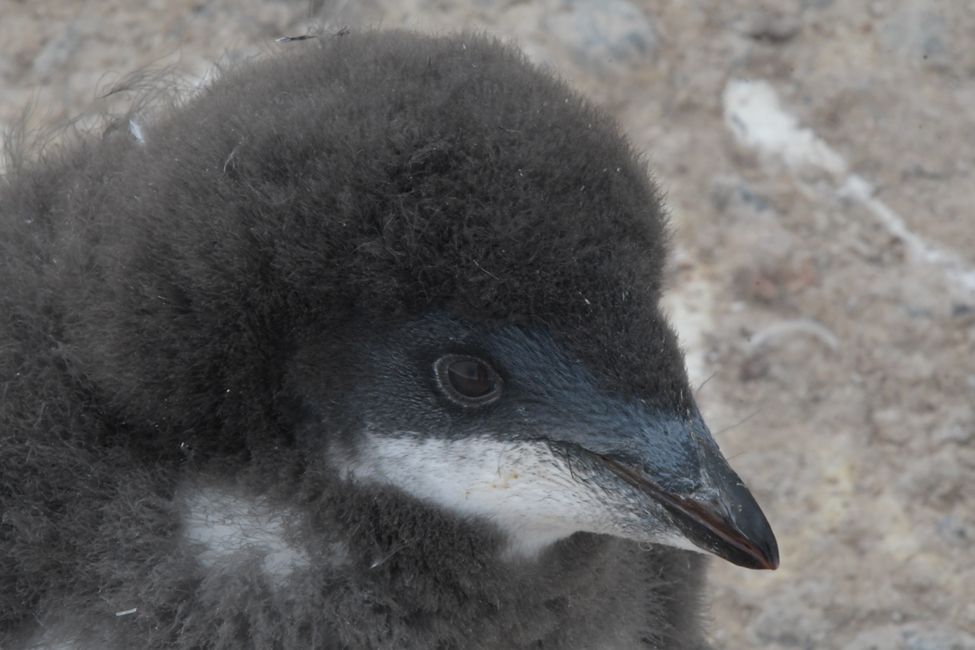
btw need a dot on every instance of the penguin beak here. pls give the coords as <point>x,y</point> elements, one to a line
<point>678,465</point>
<point>723,519</point>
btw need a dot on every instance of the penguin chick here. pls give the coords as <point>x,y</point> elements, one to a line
<point>359,347</point>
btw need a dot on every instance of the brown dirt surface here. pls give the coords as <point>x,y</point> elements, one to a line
<point>819,161</point>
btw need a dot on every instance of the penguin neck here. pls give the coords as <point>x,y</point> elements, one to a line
<point>428,565</point>
<point>391,531</point>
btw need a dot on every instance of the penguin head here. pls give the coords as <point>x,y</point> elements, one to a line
<point>463,260</point>
<point>502,423</point>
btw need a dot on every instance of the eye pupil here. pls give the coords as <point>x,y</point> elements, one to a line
<point>467,380</point>
<point>470,378</point>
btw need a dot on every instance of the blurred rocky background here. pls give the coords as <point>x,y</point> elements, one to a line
<point>819,161</point>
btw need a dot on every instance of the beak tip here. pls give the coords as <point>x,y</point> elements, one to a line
<point>761,557</point>
<point>770,556</point>
<point>746,540</point>
<point>729,524</point>
<point>774,558</point>
<point>760,550</point>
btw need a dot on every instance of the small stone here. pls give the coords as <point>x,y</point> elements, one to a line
<point>919,36</point>
<point>771,26</point>
<point>954,531</point>
<point>962,310</point>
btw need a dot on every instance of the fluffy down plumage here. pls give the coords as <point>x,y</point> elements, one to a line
<point>160,300</point>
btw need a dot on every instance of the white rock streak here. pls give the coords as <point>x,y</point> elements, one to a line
<point>755,116</point>
<point>690,307</point>
<point>753,113</point>
<point>955,268</point>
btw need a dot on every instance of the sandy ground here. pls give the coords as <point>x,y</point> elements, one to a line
<point>819,160</point>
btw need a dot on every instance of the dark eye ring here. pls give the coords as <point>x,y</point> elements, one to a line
<point>466,380</point>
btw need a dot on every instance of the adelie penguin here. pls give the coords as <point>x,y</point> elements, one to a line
<point>359,347</point>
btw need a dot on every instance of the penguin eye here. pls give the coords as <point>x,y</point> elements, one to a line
<point>469,381</point>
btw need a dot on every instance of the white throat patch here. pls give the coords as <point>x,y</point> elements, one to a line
<point>524,488</point>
